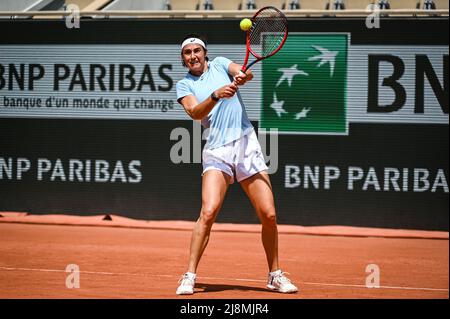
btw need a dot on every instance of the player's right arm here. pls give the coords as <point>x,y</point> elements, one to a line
<point>198,111</point>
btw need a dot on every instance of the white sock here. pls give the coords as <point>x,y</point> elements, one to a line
<point>191,275</point>
<point>275,273</point>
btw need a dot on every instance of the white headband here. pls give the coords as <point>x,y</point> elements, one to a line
<point>193,40</point>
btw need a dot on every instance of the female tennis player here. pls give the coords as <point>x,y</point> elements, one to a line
<point>209,92</point>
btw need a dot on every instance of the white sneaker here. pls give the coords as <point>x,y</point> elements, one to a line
<point>279,282</point>
<point>186,285</point>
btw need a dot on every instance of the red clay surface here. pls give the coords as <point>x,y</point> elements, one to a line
<point>124,262</point>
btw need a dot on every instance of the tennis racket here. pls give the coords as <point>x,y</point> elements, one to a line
<point>267,35</point>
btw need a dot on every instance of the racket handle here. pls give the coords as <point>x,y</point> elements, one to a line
<point>242,71</point>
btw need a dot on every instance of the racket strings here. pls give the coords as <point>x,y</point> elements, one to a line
<point>270,24</point>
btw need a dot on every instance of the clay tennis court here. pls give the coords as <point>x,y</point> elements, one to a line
<point>124,258</point>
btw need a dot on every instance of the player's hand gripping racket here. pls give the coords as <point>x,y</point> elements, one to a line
<point>266,36</point>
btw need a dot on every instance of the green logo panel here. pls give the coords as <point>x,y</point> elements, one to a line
<point>304,85</point>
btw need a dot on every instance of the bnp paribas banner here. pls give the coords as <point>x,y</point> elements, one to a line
<point>317,84</point>
<point>363,129</point>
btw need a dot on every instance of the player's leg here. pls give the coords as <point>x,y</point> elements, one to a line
<point>251,174</point>
<point>259,191</point>
<point>214,186</point>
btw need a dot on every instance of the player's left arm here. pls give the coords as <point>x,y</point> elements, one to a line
<point>240,78</point>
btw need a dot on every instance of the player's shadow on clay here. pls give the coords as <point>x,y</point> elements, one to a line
<point>202,288</point>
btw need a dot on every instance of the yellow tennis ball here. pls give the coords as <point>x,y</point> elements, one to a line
<point>245,24</point>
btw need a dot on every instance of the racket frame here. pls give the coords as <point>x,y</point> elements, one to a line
<point>249,50</point>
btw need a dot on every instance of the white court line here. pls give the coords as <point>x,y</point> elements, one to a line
<point>83,272</point>
<point>381,287</point>
<point>219,278</point>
